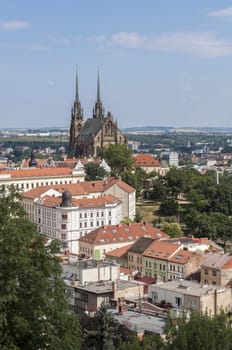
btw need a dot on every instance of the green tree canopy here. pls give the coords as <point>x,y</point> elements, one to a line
<point>118,157</point>
<point>94,172</point>
<point>173,229</point>
<point>33,307</point>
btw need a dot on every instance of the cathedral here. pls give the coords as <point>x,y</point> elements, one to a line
<point>88,137</point>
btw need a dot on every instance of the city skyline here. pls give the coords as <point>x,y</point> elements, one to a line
<point>161,62</point>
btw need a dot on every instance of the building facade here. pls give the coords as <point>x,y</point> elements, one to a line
<point>66,219</point>
<point>87,138</point>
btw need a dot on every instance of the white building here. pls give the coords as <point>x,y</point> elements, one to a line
<point>67,219</point>
<point>190,295</point>
<point>26,179</point>
<point>86,189</point>
<point>173,159</point>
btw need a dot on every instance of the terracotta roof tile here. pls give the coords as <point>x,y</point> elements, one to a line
<point>37,172</point>
<point>146,160</point>
<point>80,188</point>
<point>161,250</point>
<point>85,203</point>
<point>122,233</point>
<point>119,252</point>
<point>181,257</point>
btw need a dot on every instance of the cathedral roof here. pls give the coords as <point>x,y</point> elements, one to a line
<point>90,128</point>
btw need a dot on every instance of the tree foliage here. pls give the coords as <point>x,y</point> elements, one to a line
<point>101,332</point>
<point>173,229</point>
<point>94,172</point>
<point>33,307</point>
<point>119,158</point>
<point>208,209</point>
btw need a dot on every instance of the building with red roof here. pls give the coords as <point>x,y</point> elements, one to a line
<point>66,219</point>
<point>107,238</point>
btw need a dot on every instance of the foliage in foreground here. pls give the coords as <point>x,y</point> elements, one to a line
<point>33,309</point>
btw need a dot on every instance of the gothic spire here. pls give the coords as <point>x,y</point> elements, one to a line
<point>77,90</point>
<point>98,87</point>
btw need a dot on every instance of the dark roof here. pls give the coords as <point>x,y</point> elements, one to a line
<point>141,245</point>
<point>90,128</point>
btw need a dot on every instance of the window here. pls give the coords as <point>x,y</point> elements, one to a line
<point>91,224</point>
<point>63,226</point>
<point>163,267</point>
<point>91,214</point>
<point>102,213</point>
<point>214,273</point>
<point>80,224</point>
<point>170,267</point>
<point>80,215</point>
<point>206,271</point>
<point>109,222</point>
<point>109,213</point>
<point>64,216</point>
<point>85,215</point>
<point>85,224</point>
<point>97,223</point>
<point>178,301</point>
<point>154,296</point>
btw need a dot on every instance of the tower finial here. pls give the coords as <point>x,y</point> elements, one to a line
<point>77,91</point>
<point>98,87</point>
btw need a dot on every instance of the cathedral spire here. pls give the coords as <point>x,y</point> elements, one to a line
<point>77,90</point>
<point>98,87</point>
<point>98,111</point>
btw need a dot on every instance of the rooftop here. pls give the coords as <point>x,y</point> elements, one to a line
<point>84,203</point>
<point>188,287</point>
<point>122,233</point>
<point>162,249</point>
<point>218,261</point>
<point>146,160</point>
<point>80,188</point>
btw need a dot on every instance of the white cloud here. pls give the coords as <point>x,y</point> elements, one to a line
<point>226,12</point>
<point>14,25</point>
<point>127,39</point>
<point>203,44</point>
<point>97,38</point>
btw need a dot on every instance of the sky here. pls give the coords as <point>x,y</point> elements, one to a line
<point>161,62</point>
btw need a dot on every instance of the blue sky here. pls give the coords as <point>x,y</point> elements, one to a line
<point>162,62</point>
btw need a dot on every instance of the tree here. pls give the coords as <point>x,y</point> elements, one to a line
<point>200,332</point>
<point>172,229</point>
<point>33,308</point>
<point>168,207</point>
<point>118,157</point>
<point>101,332</point>
<point>94,172</point>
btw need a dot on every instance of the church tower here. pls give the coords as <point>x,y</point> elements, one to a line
<point>98,110</point>
<point>77,122</point>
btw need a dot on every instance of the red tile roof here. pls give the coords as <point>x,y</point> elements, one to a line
<point>146,160</point>
<point>161,250</point>
<point>119,252</point>
<point>122,233</point>
<point>80,188</point>
<point>37,172</point>
<point>181,257</point>
<point>85,203</point>
<point>114,181</point>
